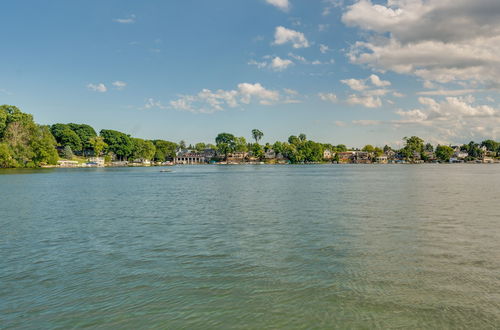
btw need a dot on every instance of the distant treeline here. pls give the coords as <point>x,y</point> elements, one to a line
<point>23,143</point>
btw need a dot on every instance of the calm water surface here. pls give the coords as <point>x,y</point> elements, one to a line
<point>388,246</point>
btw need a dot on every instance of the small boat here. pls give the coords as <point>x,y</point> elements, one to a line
<point>165,170</point>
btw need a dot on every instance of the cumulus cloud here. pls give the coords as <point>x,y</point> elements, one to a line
<point>100,87</point>
<point>375,80</point>
<point>283,35</point>
<point>355,84</point>
<point>371,89</point>
<point>276,64</point>
<point>453,117</point>
<point>207,101</point>
<point>283,5</point>
<point>436,40</point>
<point>119,84</point>
<point>279,64</point>
<point>127,20</point>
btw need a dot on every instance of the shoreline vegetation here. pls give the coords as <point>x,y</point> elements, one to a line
<point>25,144</point>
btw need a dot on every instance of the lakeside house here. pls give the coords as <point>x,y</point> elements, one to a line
<point>190,158</point>
<point>362,157</point>
<point>382,159</point>
<point>346,157</point>
<point>327,154</point>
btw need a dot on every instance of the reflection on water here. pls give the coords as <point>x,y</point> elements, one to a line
<point>251,246</point>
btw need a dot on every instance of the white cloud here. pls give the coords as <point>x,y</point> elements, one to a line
<point>364,100</point>
<point>127,20</point>
<point>453,117</point>
<point>279,64</point>
<point>355,84</point>
<point>208,101</point>
<point>100,87</point>
<point>436,40</point>
<point>283,5</point>
<point>119,84</point>
<point>340,123</point>
<point>291,91</point>
<point>377,82</point>
<point>323,48</point>
<point>328,97</point>
<point>283,35</point>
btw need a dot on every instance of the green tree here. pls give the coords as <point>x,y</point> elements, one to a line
<point>257,151</point>
<point>67,153</point>
<point>44,146</point>
<point>6,157</point>
<point>341,148</point>
<point>429,148</point>
<point>257,135</point>
<point>241,145</point>
<point>413,145</point>
<point>85,133</point>
<point>491,146</point>
<point>119,143</point>
<point>165,150</point>
<point>294,140</point>
<point>143,149</point>
<point>444,153</point>
<point>302,137</point>
<point>368,148</point>
<point>200,146</point>
<point>226,143</point>
<point>182,144</point>
<point>97,144</point>
<point>66,137</point>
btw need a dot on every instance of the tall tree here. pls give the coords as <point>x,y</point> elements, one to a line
<point>257,135</point>
<point>119,143</point>
<point>226,143</point>
<point>444,153</point>
<point>165,150</point>
<point>98,145</point>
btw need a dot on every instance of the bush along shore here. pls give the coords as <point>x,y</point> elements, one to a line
<point>25,144</point>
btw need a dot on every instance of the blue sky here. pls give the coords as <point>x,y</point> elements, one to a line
<point>352,72</point>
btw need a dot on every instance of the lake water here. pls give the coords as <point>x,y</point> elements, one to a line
<point>320,246</point>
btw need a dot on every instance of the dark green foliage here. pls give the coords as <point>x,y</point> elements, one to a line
<point>119,143</point>
<point>66,137</point>
<point>257,135</point>
<point>226,143</point>
<point>84,132</point>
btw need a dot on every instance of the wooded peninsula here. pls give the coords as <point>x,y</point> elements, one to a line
<point>25,144</point>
